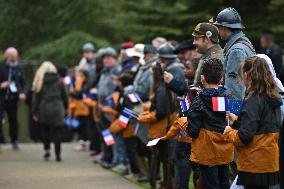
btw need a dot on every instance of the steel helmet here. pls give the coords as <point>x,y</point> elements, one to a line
<point>229,18</point>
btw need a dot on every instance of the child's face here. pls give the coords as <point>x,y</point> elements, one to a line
<point>189,71</point>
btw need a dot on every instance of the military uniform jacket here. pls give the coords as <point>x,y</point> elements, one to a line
<point>214,52</point>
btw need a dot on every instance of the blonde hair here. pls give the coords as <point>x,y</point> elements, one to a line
<point>46,67</point>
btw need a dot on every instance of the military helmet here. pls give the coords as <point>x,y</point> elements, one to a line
<point>88,47</point>
<point>229,18</point>
<point>109,51</point>
<point>167,51</point>
<point>206,30</point>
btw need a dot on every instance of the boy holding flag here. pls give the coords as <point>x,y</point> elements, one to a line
<point>205,127</point>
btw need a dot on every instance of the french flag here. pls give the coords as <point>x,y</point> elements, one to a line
<point>219,104</point>
<point>185,104</point>
<point>134,98</point>
<point>108,138</point>
<point>124,119</point>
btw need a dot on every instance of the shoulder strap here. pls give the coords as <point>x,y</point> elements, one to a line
<point>244,42</point>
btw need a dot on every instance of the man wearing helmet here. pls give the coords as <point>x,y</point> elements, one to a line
<point>237,48</point>
<point>87,63</point>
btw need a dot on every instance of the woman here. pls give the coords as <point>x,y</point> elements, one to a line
<point>48,107</point>
<point>256,139</point>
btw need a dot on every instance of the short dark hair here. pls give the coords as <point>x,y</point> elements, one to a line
<point>213,71</point>
<point>267,37</point>
<point>126,79</point>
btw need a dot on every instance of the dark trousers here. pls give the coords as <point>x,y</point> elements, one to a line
<point>256,187</point>
<point>107,150</point>
<point>215,177</point>
<point>83,130</point>
<point>11,108</point>
<point>49,134</point>
<point>95,138</point>
<point>131,145</point>
<point>163,152</point>
<point>183,164</point>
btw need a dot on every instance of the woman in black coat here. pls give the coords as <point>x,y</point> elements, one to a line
<point>48,106</point>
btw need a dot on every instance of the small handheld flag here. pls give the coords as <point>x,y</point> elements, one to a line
<point>235,106</point>
<point>134,98</point>
<point>125,117</point>
<point>183,133</point>
<point>108,138</point>
<point>222,104</point>
<point>219,104</point>
<point>110,101</point>
<point>185,104</point>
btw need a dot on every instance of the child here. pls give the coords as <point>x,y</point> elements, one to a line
<point>160,117</point>
<point>183,146</point>
<point>130,140</point>
<point>190,69</point>
<point>257,137</point>
<point>208,147</point>
<point>79,109</point>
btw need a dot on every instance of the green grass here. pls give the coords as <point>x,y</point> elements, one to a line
<point>146,185</point>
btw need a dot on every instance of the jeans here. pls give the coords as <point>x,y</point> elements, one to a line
<point>215,177</point>
<point>119,153</point>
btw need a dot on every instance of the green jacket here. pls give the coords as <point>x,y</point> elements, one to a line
<point>50,103</point>
<point>214,52</point>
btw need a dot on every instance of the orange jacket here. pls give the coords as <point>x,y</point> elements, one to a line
<point>157,128</point>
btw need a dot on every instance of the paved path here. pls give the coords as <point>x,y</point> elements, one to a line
<point>25,169</point>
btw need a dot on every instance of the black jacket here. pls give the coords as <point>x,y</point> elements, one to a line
<point>206,127</point>
<point>14,74</point>
<point>275,54</point>
<point>162,102</point>
<point>259,115</point>
<point>50,103</point>
<point>201,114</point>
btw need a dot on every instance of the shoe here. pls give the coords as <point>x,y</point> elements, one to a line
<point>97,158</point>
<point>143,179</point>
<point>15,146</point>
<point>58,159</point>
<point>81,146</point>
<point>46,156</point>
<point>122,169</point>
<point>131,176</point>
<point>105,165</point>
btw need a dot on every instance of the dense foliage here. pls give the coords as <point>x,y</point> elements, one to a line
<point>56,29</point>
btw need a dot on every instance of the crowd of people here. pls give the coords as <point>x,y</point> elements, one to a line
<point>177,93</point>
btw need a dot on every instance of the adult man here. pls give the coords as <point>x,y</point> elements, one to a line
<point>273,51</point>
<point>12,86</point>
<point>173,69</point>
<point>105,88</point>
<point>186,51</point>
<point>143,81</point>
<point>125,61</point>
<point>88,62</point>
<point>111,69</point>
<point>237,48</point>
<point>207,43</point>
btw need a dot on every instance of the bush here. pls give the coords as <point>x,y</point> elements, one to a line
<point>66,50</point>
